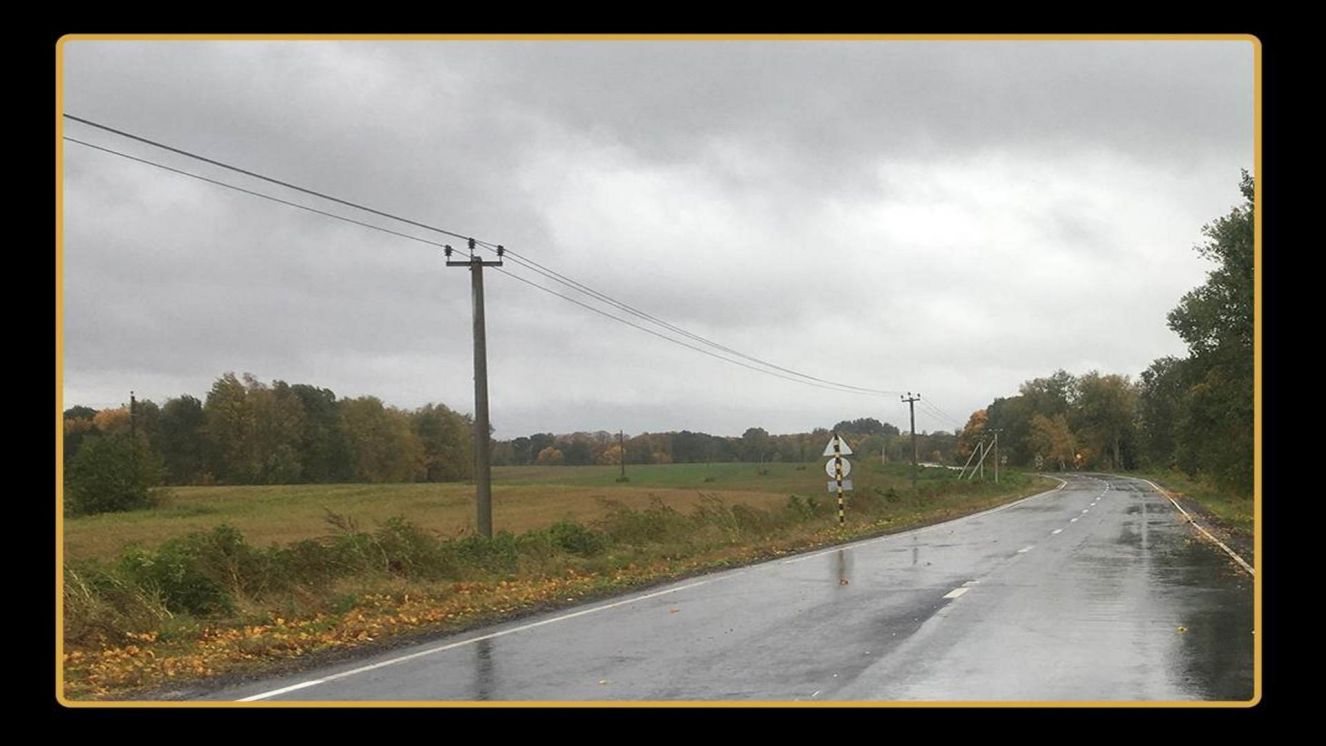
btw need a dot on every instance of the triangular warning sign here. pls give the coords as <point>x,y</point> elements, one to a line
<point>843,450</point>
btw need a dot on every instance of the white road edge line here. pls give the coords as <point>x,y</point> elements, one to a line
<point>956,592</point>
<point>283,690</point>
<point>442,648</point>
<point>1191,520</point>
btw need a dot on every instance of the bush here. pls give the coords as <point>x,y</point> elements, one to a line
<point>659,523</point>
<point>111,473</point>
<point>575,539</point>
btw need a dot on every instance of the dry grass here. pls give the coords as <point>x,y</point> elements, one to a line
<point>524,498</point>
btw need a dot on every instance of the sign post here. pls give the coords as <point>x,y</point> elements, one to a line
<point>838,468</point>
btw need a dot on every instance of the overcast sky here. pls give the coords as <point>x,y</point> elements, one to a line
<point>951,218</point>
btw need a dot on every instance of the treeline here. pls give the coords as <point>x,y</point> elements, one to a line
<point>249,432</point>
<point>1193,413</point>
<point>866,436</point>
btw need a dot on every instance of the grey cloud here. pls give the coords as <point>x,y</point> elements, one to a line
<point>956,215</point>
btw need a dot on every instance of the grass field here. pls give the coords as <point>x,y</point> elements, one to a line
<point>524,498</point>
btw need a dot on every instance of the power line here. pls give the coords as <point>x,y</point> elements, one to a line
<point>938,413</point>
<point>246,172</point>
<point>278,200</point>
<point>524,261</point>
<point>956,422</point>
<point>252,192</point>
<point>581,287</point>
<point>420,240</point>
<point>675,341</point>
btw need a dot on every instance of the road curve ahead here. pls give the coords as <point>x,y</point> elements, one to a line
<point>1097,590</point>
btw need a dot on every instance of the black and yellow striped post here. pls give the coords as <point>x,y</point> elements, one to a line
<point>838,475</point>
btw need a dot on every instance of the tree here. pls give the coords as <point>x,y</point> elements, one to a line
<point>383,447</point>
<point>1215,432</point>
<point>180,441</point>
<point>520,451</point>
<point>550,457</point>
<point>228,425</point>
<point>1160,407</point>
<point>78,425</point>
<point>972,433</point>
<point>578,452</point>
<point>447,440</point>
<point>111,473</point>
<point>253,430</point>
<point>865,426</point>
<point>112,421</point>
<point>1104,415</point>
<point>79,412</point>
<point>1218,315</point>
<point>1052,438</point>
<point>323,449</point>
<point>754,444</point>
<point>1012,416</point>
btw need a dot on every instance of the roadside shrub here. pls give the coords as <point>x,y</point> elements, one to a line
<point>656,524</point>
<point>798,507</point>
<point>573,538</point>
<point>409,551</point>
<point>500,554</point>
<point>111,473</point>
<point>101,605</point>
<point>177,580</point>
<point>305,562</point>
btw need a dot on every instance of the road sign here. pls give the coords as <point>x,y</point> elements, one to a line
<point>833,487</point>
<point>828,467</point>
<point>843,450</point>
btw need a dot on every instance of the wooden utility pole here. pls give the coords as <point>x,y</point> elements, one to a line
<point>483,477</point>
<point>621,453</point>
<point>996,432</point>
<point>911,404</point>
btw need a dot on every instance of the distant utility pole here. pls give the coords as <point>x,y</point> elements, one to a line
<point>996,432</point>
<point>483,478</point>
<point>133,409</point>
<point>911,404</point>
<point>621,453</point>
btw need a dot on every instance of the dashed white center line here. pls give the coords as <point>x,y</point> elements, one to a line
<point>956,592</point>
<point>1085,509</point>
<point>1026,549</point>
<point>1072,520</point>
<point>1057,530</point>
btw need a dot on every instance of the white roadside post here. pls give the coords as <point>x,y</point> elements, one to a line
<point>838,468</point>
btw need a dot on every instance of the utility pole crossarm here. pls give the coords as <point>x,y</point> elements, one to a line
<point>474,260</point>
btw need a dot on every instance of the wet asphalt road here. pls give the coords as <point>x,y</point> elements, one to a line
<point>1094,591</point>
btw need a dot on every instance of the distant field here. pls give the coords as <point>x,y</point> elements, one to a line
<point>524,497</point>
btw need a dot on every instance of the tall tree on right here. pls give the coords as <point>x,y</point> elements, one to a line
<point>1214,431</point>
